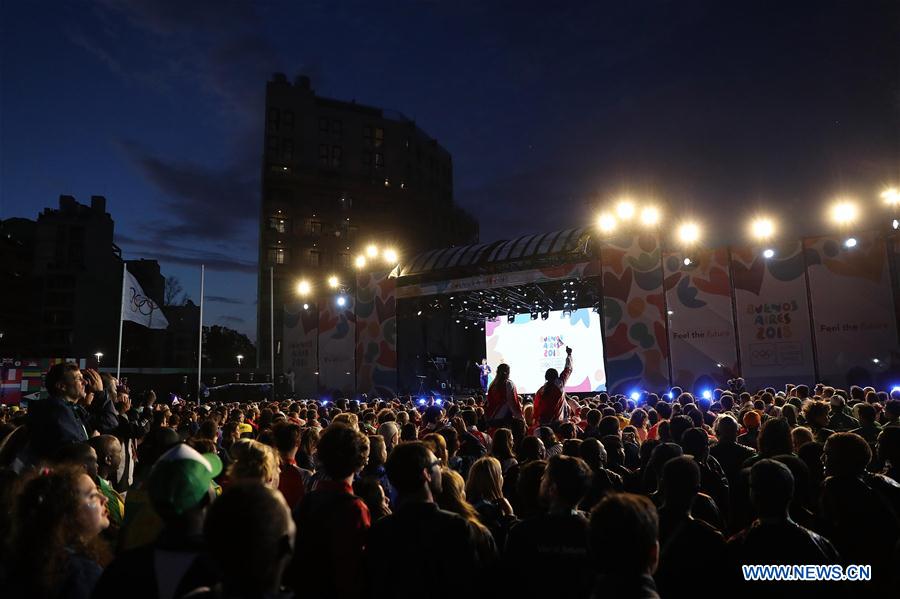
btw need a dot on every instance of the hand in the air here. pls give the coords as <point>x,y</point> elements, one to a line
<point>568,351</point>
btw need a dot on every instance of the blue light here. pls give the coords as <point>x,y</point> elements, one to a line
<point>439,402</point>
<point>341,301</point>
<point>324,402</point>
<point>635,395</point>
<point>669,395</point>
<point>895,388</point>
<point>707,394</point>
<point>421,402</point>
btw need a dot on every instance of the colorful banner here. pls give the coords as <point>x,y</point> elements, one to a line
<point>376,322</point>
<point>337,340</point>
<point>636,344</point>
<point>770,296</point>
<point>852,307</point>
<point>300,356</point>
<point>701,322</point>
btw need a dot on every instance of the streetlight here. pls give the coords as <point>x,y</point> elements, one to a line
<point>625,209</point>
<point>98,355</point>
<point>372,250</point>
<point>390,256</point>
<point>360,261</point>
<point>650,216</point>
<point>891,196</point>
<point>844,213</point>
<point>303,287</point>
<point>240,359</point>
<point>762,228</point>
<point>333,282</point>
<point>689,233</point>
<point>606,222</point>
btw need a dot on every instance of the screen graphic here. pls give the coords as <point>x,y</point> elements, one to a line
<point>530,347</point>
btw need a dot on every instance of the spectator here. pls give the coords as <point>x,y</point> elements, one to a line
<point>868,428</point>
<point>252,557</point>
<point>291,478</point>
<point>439,545</point>
<point>800,436</point>
<point>57,420</point>
<point>816,415</point>
<point>452,497</point>
<point>603,482</point>
<point>774,538</point>
<point>109,457</point>
<point>624,531</point>
<point>889,452</point>
<point>502,449</point>
<point>840,419</point>
<point>309,439</point>
<point>751,421</point>
<point>56,526</point>
<point>556,540</point>
<point>180,489</point>
<point>369,489</point>
<point>253,462</point>
<point>333,514</point>
<point>375,468</point>
<point>484,488</point>
<point>681,536</point>
<point>730,454</point>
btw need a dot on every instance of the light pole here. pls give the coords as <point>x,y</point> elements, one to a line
<point>98,355</point>
<point>240,359</point>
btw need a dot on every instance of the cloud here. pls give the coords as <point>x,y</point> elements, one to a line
<point>158,248</point>
<point>223,300</point>
<point>205,203</point>
<point>233,319</point>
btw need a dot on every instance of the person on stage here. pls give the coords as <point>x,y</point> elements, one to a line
<point>550,406</point>
<point>485,371</point>
<point>503,403</point>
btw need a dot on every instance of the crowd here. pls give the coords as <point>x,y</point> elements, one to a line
<point>107,495</point>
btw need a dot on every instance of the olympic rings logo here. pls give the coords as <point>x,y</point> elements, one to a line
<point>140,303</point>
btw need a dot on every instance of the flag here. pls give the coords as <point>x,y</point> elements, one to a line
<point>139,308</point>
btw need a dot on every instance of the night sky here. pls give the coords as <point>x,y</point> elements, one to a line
<point>714,109</point>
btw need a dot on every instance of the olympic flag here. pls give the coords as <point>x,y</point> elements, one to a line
<point>139,308</point>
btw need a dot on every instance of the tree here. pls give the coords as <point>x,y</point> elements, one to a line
<point>222,345</point>
<point>173,290</point>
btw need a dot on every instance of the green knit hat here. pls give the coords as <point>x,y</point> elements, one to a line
<point>181,478</point>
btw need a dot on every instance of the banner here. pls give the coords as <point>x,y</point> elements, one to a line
<point>300,355</point>
<point>376,325</point>
<point>852,307</point>
<point>636,344</point>
<point>701,322</point>
<point>139,308</point>
<point>337,342</point>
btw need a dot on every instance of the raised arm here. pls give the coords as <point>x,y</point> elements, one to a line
<point>567,371</point>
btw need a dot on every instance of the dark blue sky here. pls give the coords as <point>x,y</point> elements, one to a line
<point>716,109</point>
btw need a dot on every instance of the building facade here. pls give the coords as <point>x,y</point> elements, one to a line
<point>338,176</point>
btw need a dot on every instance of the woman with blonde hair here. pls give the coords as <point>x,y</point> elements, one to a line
<point>438,446</point>
<point>452,498</point>
<point>254,461</point>
<point>484,488</point>
<point>347,418</point>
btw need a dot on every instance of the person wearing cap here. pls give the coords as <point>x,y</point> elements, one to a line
<point>751,421</point>
<point>180,488</point>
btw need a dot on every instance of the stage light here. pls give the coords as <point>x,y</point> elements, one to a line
<point>419,313</point>
<point>360,261</point>
<point>341,301</point>
<point>670,312</point>
<point>545,315</point>
<point>895,224</point>
<point>875,361</point>
<point>650,216</point>
<point>372,250</point>
<point>687,261</point>
<point>891,196</point>
<point>669,395</point>
<point>625,210</point>
<point>844,213</point>
<point>689,233</point>
<point>768,253</point>
<point>510,318</point>
<point>635,395</point>
<point>422,401</point>
<point>850,242</point>
<point>306,306</point>
<point>333,282</point>
<point>606,223</point>
<point>718,365</point>
<point>707,394</point>
<point>457,321</point>
<point>762,228</point>
<point>390,256</point>
<point>895,389</point>
<point>303,287</point>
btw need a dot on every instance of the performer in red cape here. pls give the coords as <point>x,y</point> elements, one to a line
<point>503,402</point>
<point>550,406</point>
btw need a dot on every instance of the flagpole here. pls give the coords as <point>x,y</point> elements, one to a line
<point>200,340</point>
<point>272,328</point>
<point>121,318</point>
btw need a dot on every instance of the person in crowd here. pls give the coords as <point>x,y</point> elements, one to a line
<point>56,547</point>
<point>375,468</point>
<point>332,522</point>
<point>683,537</point>
<point>849,495</point>
<point>438,446</point>
<point>291,478</point>
<point>552,446</point>
<point>502,449</point>
<point>603,481</point>
<point>390,432</point>
<point>438,546</point>
<point>484,489</point>
<point>868,428</point>
<point>557,539</point>
<point>663,412</point>
<point>308,441</point>
<point>452,497</point>
<point>751,421</point>
<point>624,542</point>
<point>774,538</point>
<point>180,488</point>
<point>253,461</point>
<point>109,454</point>
<point>369,489</point>
<point>730,454</point>
<point>815,413</point>
<point>713,482</point>
<point>840,419</point>
<point>550,405</point>
<point>800,436</point>
<point>252,557</point>
<point>888,452</point>
<point>57,420</point>
<point>503,404</point>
